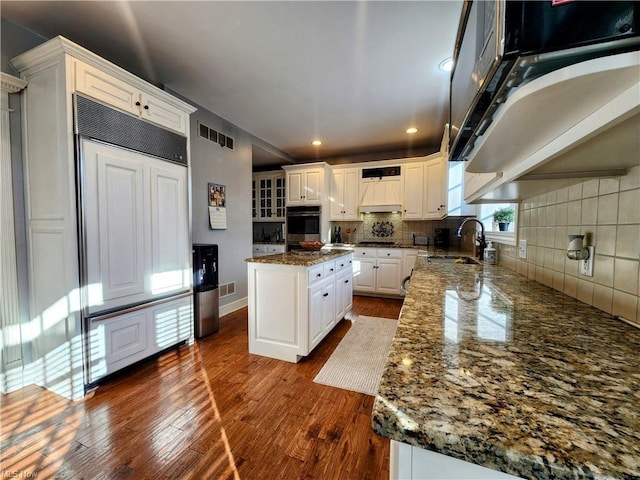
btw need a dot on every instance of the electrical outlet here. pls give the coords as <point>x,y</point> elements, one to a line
<point>586,266</point>
<point>522,249</point>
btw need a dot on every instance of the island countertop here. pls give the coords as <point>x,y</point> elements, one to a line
<point>301,258</point>
<point>498,370</point>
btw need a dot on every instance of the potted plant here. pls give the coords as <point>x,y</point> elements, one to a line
<point>503,217</point>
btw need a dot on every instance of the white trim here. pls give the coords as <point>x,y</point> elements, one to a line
<point>506,238</point>
<point>233,306</point>
<point>11,84</point>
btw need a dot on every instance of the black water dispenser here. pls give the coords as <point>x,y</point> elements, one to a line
<point>206,302</point>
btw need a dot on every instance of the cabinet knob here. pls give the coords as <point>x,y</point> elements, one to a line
<point>146,107</point>
<point>388,254</point>
<point>326,295</point>
<point>331,269</point>
<point>346,281</point>
<point>138,104</point>
<point>318,275</point>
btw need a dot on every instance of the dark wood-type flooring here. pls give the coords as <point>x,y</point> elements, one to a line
<point>206,411</point>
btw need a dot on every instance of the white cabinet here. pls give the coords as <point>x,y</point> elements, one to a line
<point>435,195</point>
<point>122,95</point>
<point>260,250</point>
<point>136,227</point>
<point>409,258</point>
<point>120,340</point>
<point>378,270</point>
<point>305,185</point>
<point>268,191</point>
<point>425,190</point>
<point>292,308</point>
<point>413,174</point>
<point>344,194</point>
<point>413,463</point>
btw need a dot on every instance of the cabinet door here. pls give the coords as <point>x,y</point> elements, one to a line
<point>328,305</point>
<point>413,191</point>
<point>265,198</point>
<point>316,301</point>
<point>409,261</point>
<point>170,254</point>
<point>312,186</point>
<point>279,197</point>
<point>364,278</point>
<point>116,200</point>
<point>350,195</point>
<point>254,198</point>
<point>388,276</point>
<point>295,188</point>
<point>344,294</point>
<point>110,90</point>
<point>337,194</point>
<point>160,112</point>
<point>434,180</point>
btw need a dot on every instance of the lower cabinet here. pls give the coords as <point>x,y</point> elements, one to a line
<point>378,270</point>
<point>261,249</point>
<point>118,341</point>
<point>292,308</point>
<point>413,463</point>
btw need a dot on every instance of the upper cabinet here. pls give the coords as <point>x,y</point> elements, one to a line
<point>425,190</point>
<point>306,184</point>
<point>129,98</point>
<point>268,191</point>
<point>344,194</point>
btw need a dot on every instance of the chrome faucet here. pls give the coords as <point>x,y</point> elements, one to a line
<point>482,244</point>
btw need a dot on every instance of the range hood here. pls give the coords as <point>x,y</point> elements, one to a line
<point>381,193</point>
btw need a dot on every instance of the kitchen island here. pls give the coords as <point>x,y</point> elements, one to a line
<point>296,299</point>
<point>488,368</point>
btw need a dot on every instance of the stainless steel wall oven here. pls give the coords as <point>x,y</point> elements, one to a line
<point>302,225</point>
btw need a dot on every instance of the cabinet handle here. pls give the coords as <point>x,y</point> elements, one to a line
<point>331,269</point>
<point>318,275</point>
<point>364,253</point>
<point>326,295</point>
<point>388,254</point>
<point>342,265</point>
<point>146,107</point>
<point>138,104</point>
<point>346,281</point>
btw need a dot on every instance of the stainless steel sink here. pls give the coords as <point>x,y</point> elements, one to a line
<point>452,259</point>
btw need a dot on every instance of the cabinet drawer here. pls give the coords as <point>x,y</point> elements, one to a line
<point>389,253</point>
<point>364,253</point>
<point>272,249</point>
<point>343,263</point>
<point>316,273</point>
<point>108,89</point>
<point>329,268</point>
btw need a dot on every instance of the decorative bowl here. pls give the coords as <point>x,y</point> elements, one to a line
<point>313,246</point>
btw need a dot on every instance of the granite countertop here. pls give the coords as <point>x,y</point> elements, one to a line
<point>492,368</point>
<point>301,258</point>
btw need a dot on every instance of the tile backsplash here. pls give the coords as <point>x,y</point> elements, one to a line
<point>374,224</point>
<point>607,212</point>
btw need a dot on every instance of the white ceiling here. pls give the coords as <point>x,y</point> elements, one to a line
<point>354,74</point>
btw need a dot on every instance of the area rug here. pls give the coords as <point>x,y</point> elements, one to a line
<point>359,359</point>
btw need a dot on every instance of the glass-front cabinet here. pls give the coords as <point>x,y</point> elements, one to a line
<point>268,196</point>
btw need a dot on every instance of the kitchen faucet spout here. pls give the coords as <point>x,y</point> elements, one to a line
<point>482,244</point>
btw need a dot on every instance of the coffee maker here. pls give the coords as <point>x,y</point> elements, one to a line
<point>441,237</point>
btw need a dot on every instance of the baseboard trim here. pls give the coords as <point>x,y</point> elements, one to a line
<point>233,306</point>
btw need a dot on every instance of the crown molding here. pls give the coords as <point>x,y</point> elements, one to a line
<point>11,84</point>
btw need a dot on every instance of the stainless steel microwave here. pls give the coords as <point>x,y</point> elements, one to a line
<point>501,45</point>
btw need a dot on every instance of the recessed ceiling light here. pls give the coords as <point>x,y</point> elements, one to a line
<point>412,130</point>
<point>446,65</point>
<point>316,143</point>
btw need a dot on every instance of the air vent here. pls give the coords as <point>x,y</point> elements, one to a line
<point>216,137</point>
<point>380,172</point>
<point>227,289</point>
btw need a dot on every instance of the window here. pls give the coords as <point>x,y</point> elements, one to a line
<point>492,229</point>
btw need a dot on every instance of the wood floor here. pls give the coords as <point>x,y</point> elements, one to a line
<point>207,411</point>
